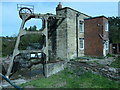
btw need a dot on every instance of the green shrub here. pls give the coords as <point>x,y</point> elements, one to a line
<point>110,55</point>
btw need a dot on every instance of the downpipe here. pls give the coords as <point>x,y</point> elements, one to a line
<point>11,83</point>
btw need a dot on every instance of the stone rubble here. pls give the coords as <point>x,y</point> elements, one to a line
<point>104,70</point>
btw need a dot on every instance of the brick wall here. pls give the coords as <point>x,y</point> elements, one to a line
<point>95,27</point>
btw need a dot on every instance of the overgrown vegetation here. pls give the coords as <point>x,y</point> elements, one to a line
<point>31,39</point>
<point>8,44</point>
<point>110,55</point>
<point>116,63</point>
<point>67,79</point>
<point>114,29</point>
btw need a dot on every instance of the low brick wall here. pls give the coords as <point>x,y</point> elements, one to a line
<point>54,68</point>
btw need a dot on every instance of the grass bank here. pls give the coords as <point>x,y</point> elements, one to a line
<point>67,79</point>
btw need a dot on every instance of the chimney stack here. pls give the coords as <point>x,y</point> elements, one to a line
<point>59,6</point>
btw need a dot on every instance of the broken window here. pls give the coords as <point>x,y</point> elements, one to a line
<point>81,26</point>
<point>81,43</point>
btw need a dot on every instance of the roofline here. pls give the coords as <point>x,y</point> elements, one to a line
<point>73,10</point>
<point>96,17</point>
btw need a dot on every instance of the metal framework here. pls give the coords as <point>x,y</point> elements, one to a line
<point>31,7</point>
<point>26,14</point>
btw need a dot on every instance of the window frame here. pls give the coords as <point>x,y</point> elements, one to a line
<point>81,48</point>
<point>81,23</point>
<point>107,44</point>
<point>107,26</point>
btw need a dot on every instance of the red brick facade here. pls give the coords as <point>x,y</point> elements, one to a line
<point>95,35</point>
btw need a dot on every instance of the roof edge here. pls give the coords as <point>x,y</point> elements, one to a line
<point>73,10</point>
<point>96,17</point>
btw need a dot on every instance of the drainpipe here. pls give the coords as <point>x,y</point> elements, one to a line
<point>77,15</point>
<point>11,83</point>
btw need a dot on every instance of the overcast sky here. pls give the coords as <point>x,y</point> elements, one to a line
<point>11,20</point>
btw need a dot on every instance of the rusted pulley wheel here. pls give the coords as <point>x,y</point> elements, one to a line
<point>25,11</point>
